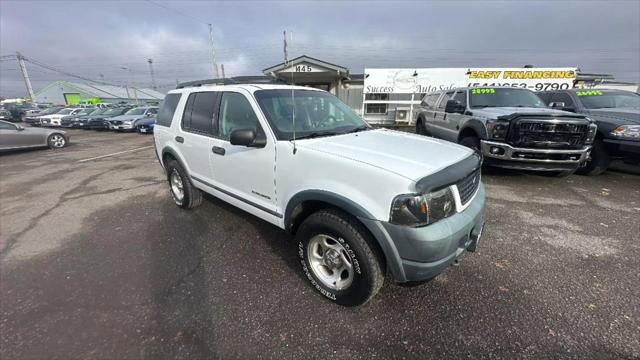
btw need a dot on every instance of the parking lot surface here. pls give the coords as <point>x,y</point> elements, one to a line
<point>97,262</point>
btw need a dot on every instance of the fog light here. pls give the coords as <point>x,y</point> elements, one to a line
<point>496,150</point>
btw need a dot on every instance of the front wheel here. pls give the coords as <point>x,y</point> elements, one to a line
<point>184,194</point>
<point>56,141</point>
<point>599,161</point>
<point>338,257</point>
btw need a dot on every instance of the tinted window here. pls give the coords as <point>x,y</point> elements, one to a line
<point>504,97</point>
<point>236,113</point>
<point>6,126</point>
<point>598,99</point>
<point>461,96</point>
<point>546,97</point>
<point>199,113</point>
<point>168,108</point>
<point>563,97</point>
<point>445,98</point>
<point>430,100</point>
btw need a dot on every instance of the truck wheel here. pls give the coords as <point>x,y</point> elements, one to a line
<point>184,194</point>
<point>472,142</point>
<point>337,257</point>
<point>599,161</point>
<point>56,141</point>
<point>421,128</point>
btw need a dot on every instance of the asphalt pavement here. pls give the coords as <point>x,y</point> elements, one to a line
<point>96,262</point>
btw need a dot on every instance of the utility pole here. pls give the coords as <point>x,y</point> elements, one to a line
<point>25,75</point>
<point>213,52</point>
<point>153,78</point>
<point>222,68</point>
<point>135,94</point>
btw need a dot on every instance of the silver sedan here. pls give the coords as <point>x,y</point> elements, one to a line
<point>14,136</point>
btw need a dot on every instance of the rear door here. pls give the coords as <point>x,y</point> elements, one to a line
<point>196,132</point>
<point>245,174</point>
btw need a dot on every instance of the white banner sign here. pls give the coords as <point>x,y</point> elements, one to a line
<point>407,81</point>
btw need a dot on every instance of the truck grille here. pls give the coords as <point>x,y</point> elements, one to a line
<point>549,134</point>
<point>467,187</point>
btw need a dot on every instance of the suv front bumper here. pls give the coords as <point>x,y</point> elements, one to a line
<point>416,254</point>
<point>504,155</point>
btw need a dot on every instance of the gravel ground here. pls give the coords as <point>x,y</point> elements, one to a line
<point>97,262</point>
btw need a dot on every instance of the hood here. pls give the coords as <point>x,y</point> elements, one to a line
<point>617,115</point>
<point>494,112</point>
<point>409,155</point>
<point>126,117</point>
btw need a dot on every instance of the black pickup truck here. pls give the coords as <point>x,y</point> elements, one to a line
<point>617,114</point>
<point>510,127</point>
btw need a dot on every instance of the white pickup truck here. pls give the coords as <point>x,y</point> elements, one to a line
<point>360,201</point>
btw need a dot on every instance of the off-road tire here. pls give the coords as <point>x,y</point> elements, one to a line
<point>599,162</point>
<point>192,196</point>
<point>368,272</point>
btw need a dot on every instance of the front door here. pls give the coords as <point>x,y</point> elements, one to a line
<point>244,173</point>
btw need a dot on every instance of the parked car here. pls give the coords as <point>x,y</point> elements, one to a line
<point>34,120</point>
<point>617,113</point>
<point>20,111</point>
<point>5,115</point>
<point>130,119</point>
<point>14,137</point>
<point>56,119</point>
<point>101,121</point>
<point>356,211</point>
<point>145,126</point>
<point>68,120</point>
<point>82,121</point>
<point>510,127</point>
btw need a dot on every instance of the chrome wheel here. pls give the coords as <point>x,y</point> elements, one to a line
<point>330,262</point>
<point>57,141</point>
<point>177,188</point>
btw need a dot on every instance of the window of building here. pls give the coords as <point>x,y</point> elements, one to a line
<point>380,109</point>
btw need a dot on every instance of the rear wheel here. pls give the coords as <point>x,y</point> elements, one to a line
<point>56,141</point>
<point>421,128</point>
<point>338,259</point>
<point>598,162</point>
<point>184,194</point>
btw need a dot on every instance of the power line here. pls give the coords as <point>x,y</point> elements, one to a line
<point>178,12</point>
<point>38,63</point>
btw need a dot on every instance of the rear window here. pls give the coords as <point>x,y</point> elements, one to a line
<point>168,109</point>
<point>199,113</point>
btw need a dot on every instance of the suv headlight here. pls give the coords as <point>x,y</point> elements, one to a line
<point>591,135</point>
<point>497,129</point>
<point>422,209</point>
<point>627,132</point>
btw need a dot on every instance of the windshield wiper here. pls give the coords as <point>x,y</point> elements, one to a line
<point>316,134</point>
<point>358,129</point>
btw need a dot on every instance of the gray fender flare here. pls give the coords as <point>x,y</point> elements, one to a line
<point>389,250</point>
<point>476,125</point>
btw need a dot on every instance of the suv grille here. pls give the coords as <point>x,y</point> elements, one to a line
<point>467,187</point>
<point>544,133</point>
<point>116,122</point>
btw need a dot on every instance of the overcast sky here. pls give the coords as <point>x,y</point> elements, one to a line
<point>97,39</point>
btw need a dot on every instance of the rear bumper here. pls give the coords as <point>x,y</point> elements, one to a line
<point>504,155</point>
<point>416,254</point>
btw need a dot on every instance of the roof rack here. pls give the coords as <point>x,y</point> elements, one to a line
<point>231,81</point>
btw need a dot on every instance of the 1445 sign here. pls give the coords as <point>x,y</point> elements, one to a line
<point>302,68</point>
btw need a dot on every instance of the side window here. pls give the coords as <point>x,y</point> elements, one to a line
<point>430,100</point>
<point>443,101</point>
<point>152,111</point>
<point>546,97</point>
<point>168,109</point>
<point>7,126</point>
<point>199,113</point>
<point>236,113</point>
<point>461,96</point>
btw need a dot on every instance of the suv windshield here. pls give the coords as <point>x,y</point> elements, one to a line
<point>597,99</point>
<point>504,97</point>
<point>136,111</point>
<point>317,113</point>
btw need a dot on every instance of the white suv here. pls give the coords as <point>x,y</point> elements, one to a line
<point>360,201</point>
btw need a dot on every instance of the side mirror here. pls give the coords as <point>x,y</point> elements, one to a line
<point>20,127</point>
<point>556,105</point>
<point>454,106</point>
<point>246,137</point>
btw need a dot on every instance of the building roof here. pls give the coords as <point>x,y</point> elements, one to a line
<point>308,59</point>
<point>109,91</point>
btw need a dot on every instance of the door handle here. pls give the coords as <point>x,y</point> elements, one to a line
<point>179,139</point>
<point>218,150</point>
